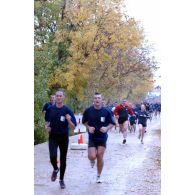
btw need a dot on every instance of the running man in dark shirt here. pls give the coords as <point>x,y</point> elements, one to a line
<point>142,121</point>
<point>133,119</point>
<point>48,104</point>
<point>59,118</point>
<point>98,121</point>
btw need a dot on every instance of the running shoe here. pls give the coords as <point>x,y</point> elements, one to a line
<point>124,141</point>
<point>98,179</point>
<point>54,175</point>
<point>92,162</point>
<point>62,184</point>
<point>142,141</point>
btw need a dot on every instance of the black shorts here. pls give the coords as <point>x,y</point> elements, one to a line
<point>143,124</point>
<point>133,122</point>
<point>121,120</point>
<point>96,144</point>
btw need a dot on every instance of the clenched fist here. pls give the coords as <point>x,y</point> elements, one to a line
<point>47,127</point>
<point>68,117</point>
<point>91,129</point>
<point>103,129</point>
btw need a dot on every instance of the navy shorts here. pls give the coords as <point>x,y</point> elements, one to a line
<point>132,120</point>
<point>143,124</point>
<point>96,144</point>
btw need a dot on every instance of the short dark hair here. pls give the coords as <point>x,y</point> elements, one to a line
<point>61,89</point>
<point>97,93</point>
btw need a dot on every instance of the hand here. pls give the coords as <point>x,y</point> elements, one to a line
<point>47,127</point>
<point>68,117</point>
<point>91,129</point>
<point>103,129</point>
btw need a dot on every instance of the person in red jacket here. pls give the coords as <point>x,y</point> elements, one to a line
<point>121,112</point>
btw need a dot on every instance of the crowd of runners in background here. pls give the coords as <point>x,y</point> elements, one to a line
<point>128,115</point>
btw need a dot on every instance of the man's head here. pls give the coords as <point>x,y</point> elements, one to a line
<point>103,102</point>
<point>97,100</point>
<point>143,107</point>
<point>59,97</point>
<point>131,104</point>
<point>52,98</point>
<point>124,102</point>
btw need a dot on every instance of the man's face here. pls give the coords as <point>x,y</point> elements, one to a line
<point>59,97</point>
<point>143,107</point>
<point>124,102</point>
<point>52,98</point>
<point>97,100</point>
<point>103,103</point>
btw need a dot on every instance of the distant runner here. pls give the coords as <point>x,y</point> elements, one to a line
<point>48,104</point>
<point>142,122</point>
<point>121,112</point>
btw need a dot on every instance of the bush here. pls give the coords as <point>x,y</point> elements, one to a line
<point>40,134</point>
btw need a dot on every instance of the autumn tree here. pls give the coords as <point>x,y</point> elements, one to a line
<point>105,48</point>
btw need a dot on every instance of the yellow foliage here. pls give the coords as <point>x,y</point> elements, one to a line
<point>99,37</point>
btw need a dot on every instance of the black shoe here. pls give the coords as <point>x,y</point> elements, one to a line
<point>54,175</point>
<point>124,141</point>
<point>145,131</point>
<point>62,184</point>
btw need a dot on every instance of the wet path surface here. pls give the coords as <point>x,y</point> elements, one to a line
<point>133,168</point>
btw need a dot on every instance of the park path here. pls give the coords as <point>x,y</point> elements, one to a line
<point>133,168</point>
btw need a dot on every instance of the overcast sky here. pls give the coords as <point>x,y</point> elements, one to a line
<point>148,13</point>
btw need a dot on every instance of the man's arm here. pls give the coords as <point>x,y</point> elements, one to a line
<point>116,110</point>
<point>105,129</point>
<point>70,123</point>
<point>85,122</point>
<point>89,128</point>
<point>111,122</point>
<point>130,111</point>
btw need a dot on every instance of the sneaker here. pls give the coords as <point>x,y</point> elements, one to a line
<point>98,179</point>
<point>92,163</point>
<point>62,184</point>
<point>124,141</point>
<point>142,141</point>
<point>54,175</point>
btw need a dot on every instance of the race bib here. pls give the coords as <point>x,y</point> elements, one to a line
<point>102,119</point>
<point>62,118</point>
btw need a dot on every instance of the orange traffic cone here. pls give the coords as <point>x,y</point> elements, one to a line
<point>80,140</point>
